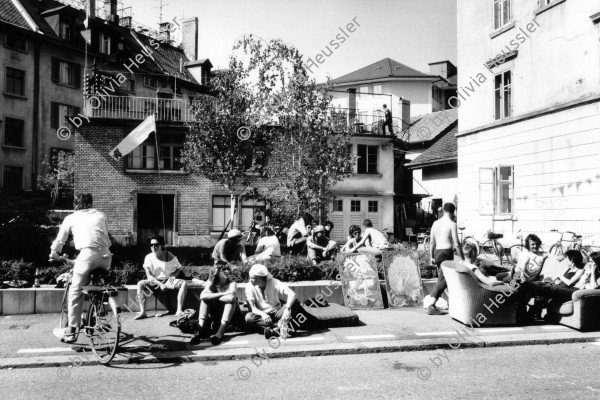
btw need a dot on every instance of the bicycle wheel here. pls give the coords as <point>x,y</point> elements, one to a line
<point>470,239</point>
<point>492,250</point>
<point>556,250</point>
<point>103,329</point>
<point>514,252</point>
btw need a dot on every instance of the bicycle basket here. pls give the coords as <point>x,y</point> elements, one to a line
<point>492,235</point>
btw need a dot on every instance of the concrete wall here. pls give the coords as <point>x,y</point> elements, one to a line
<point>557,63</point>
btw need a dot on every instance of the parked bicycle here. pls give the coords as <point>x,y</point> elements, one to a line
<point>515,250</point>
<point>576,243</point>
<point>101,323</point>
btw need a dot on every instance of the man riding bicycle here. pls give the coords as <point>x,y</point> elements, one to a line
<point>90,236</point>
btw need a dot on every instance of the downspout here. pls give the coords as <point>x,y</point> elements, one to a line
<point>36,115</point>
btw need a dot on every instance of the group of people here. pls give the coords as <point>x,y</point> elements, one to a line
<point>577,274</point>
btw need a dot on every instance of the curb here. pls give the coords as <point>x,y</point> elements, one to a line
<point>250,355</point>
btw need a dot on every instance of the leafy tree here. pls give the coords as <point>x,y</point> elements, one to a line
<point>60,174</point>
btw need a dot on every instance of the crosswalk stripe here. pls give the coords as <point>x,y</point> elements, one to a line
<point>370,337</point>
<point>302,339</point>
<point>235,342</point>
<point>436,333</point>
<point>50,350</point>
<point>494,330</point>
<point>552,327</point>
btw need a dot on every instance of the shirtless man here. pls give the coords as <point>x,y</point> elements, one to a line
<point>444,237</point>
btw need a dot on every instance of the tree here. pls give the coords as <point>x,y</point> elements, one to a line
<point>311,154</point>
<point>60,174</point>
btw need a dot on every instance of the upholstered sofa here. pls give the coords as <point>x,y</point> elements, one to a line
<point>476,304</point>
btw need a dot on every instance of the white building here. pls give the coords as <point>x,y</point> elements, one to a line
<point>529,111</point>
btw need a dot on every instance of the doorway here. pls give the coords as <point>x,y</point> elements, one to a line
<point>155,216</point>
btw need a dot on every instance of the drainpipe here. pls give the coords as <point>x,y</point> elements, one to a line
<point>36,115</point>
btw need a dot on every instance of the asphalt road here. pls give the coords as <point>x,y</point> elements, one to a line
<point>566,371</point>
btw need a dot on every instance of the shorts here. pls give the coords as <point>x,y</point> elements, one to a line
<point>171,283</point>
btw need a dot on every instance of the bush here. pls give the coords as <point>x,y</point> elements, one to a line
<point>17,270</point>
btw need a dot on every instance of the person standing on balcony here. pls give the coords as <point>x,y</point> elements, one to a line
<point>387,120</point>
<point>444,237</point>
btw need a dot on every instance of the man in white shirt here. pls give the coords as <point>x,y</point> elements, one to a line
<point>298,233</point>
<point>90,236</point>
<point>263,294</point>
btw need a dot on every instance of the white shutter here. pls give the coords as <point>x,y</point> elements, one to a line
<point>486,191</point>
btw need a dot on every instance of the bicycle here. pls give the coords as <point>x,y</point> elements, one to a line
<point>557,249</point>
<point>102,325</point>
<point>515,250</point>
<point>492,249</point>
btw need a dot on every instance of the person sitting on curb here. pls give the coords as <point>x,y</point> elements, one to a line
<point>161,269</point>
<point>230,250</point>
<point>353,239</point>
<point>373,240</point>
<point>263,294</point>
<point>328,228</point>
<point>267,248</point>
<point>219,300</point>
<point>320,247</point>
<point>298,233</point>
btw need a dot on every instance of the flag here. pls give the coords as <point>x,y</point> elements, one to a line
<point>134,139</point>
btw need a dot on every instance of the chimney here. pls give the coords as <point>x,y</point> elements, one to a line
<point>110,10</point>
<point>351,104</point>
<point>164,33</point>
<point>404,106</point>
<point>189,38</point>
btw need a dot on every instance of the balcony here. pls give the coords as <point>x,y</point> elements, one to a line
<point>125,107</point>
<point>361,123</point>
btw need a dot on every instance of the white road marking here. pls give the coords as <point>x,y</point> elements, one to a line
<point>234,342</point>
<point>596,343</point>
<point>50,350</point>
<point>436,333</point>
<point>302,339</point>
<point>370,337</point>
<point>493,330</point>
<point>552,327</point>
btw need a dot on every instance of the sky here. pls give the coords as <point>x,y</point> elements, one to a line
<point>413,32</point>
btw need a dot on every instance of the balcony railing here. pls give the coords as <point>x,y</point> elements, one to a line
<point>360,122</point>
<point>125,107</point>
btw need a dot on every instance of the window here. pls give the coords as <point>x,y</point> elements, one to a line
<point>65,31</point>
<point>170,151</point>
<point>66,73</point>
<point>104,44</point>
<point>15,81</point>
<point>16,43</point>
<point>13,178</point>
<point>221,212</point>
<point>252,209</point>
<point>131,85</point>
<point>363,92</point>
<point>354,205</point>
<point>338,205</point>
<point>142,157</point>
<point>150,82</point>
<point>60,114</point>
<point>377,89</point>
<point>502,13</point>
<point>373,206</point>
<point>367,159</point>
<point>496,190</point>
<point>504,190</point>
<point>14,132</point>
<point>503,95</point>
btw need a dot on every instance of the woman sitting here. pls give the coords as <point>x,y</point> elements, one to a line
<point>320,247</point>
<point>219,301</point>
<point>476,266</point>
<point>560,290</point>
<point>268,247</point>
<point>352,240</point>
<point>591,273</point>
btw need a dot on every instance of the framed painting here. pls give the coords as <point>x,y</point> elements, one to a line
<point>360,281</point>
<point>402,278</point>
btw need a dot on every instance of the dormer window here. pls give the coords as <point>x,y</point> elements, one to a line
<point>104,44</point>
<point>65,32</point>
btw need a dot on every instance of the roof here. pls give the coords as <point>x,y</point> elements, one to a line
<point>443,151</point>
<point>386,68</point>
<point>424,128</point>
<point>10,14</point>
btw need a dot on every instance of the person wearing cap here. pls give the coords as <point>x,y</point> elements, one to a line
<point>230,250</point>
<point>268,247</point>
<point>264,294</point>
<point>320,247</point>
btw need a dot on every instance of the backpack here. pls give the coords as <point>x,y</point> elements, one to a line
<point>187,322</point>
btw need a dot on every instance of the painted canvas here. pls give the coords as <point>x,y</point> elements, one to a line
<point>402,278</point>
<point>360,281</point>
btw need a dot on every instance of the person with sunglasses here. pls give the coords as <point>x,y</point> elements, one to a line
<point>218,302</point>
<point>161,268</point>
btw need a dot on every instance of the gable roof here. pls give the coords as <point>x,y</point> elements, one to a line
<point>10,14</point>
<point>386,68</point>
<point>424,128</point>
<point>443,151</point>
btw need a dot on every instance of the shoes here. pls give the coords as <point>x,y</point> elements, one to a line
<point>196,339</point>
<point>269,333</point>
<point>65,335</point>
<point>441,304</point>
<point>428,301</point>
<point>433,310</point>
<point>215,340</point>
